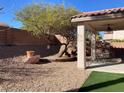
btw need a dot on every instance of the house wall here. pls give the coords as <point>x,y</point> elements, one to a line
<point>108,36</point>
<point>115,35</point>
<point>118,34</point>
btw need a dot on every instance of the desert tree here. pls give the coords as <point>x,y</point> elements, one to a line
<point>45,19</point>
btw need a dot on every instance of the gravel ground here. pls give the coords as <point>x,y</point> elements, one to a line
<point>15,76</point>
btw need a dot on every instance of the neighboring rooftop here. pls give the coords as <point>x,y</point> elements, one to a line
<point>100,12</point>
<point>3,24</point>
<point>117,44</point>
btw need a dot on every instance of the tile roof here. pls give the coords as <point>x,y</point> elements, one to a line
<point>100,12</point>
<point>117,44</point>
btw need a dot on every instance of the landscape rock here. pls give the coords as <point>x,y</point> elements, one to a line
<point>33,60</point>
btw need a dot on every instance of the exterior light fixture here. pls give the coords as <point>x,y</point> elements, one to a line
<point>109,28</point>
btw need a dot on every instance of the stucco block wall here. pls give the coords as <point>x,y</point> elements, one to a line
<point>22,41</point>
<point>20,37</point>
<point>2,37</point>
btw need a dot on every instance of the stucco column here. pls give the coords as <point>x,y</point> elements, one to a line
<point>81,46</point>
<point>93,46</point>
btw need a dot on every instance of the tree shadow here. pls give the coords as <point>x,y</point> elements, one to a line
<point>22,69</point>
<point>101,85</point>
<point>27,71</point>
<point>43,61</point>
<point>19,50</point>
<point>58,59</point>
<point>4,80</point>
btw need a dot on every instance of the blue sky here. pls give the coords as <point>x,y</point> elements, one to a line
<point>11,6</point>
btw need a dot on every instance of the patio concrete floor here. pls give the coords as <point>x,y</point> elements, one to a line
<point>115,68</point>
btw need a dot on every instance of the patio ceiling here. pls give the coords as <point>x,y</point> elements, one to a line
<point>99,20</point>
<point>115,24</point>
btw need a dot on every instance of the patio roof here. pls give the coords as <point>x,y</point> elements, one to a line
<point>100,12</point>
<point>99,20</point>
<point>96,21</point>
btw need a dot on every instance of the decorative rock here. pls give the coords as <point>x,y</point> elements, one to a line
<point>33,59</point>
<point>30,54</point>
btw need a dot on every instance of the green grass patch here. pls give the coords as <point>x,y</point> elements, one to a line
<point>103,82</point>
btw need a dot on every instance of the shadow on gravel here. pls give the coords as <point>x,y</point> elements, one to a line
<point>26,71</point>
<point>18,50</point>
<point>4,80</point>
<point>44,61</point>
<point>21,69</point>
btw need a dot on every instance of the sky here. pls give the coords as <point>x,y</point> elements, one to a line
<point>7,15</point>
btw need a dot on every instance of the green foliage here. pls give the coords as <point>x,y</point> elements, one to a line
<point>43,19</point>
<point>98,37</point>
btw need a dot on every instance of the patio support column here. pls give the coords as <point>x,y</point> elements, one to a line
<point>93,46</point>
<point>81,46</point>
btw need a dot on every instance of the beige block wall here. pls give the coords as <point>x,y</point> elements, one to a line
<point>21,37</point>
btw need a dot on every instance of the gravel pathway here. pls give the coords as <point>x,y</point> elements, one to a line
<point>55,76</point>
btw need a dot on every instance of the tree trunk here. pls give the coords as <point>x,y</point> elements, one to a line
<point>62,50</point>
<point>64,42</point>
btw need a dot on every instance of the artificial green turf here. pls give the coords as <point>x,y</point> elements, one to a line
<point>104,82</point>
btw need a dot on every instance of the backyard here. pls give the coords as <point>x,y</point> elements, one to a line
<point>17,76</point>
<point>51,46</point>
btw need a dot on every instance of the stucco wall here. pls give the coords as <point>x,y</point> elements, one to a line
<point>22,41</point>
<point>107,36</point>
<point>15,36</point>
<point>118,34</point>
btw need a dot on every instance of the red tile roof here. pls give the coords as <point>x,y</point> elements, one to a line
<point>117,44</point>
<point>100,12</point>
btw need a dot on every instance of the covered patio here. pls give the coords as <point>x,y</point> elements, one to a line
<point>96,21</point>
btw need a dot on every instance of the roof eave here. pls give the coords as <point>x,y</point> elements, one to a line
<point>100,17</point>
